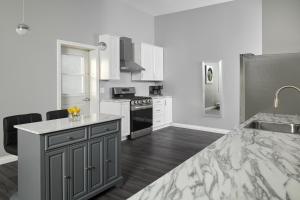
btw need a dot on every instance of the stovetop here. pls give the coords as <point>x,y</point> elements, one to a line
<point>137,100</point>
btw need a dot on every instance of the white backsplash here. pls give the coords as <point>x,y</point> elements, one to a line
<point>142,87</point>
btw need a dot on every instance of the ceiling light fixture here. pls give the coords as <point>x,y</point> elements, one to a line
<point>22,28</point>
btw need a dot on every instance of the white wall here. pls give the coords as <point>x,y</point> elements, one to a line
<point>281,27</point>
<point>28,64</point>
<point>219,32</point>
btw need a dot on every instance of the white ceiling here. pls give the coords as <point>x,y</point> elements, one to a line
<point>161,7</point>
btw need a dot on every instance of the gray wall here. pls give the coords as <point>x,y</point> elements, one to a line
<point>28,64</point>
<point>281,26</point>
<point>211,33</point>
<point>263,76</point>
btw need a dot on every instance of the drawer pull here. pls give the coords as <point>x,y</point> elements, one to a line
<point>108,161</point>
<point>90,168</point>
<point>107,129</point>
<point>67,177</point>
<point>70,138</point>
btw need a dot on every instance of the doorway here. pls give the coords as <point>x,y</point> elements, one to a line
<point>77,77</point>
<point>75,83</point>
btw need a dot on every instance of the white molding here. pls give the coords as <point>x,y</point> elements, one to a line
<point>8,159</point>
<point>201,128</point>
<point>161,127</point>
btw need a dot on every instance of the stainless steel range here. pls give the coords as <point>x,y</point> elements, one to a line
<point>141,115</point>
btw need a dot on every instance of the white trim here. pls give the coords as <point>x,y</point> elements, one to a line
<point>8,159</point>
<point>201,128</point>
<point>161,127</point>
<point>59,45</point>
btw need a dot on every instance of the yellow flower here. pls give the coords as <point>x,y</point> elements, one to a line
<point>74,110</point>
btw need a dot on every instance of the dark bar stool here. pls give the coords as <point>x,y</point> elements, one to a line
<point>11,133</point>
<point>57,114</point>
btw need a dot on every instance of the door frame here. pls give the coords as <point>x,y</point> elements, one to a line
<point>94,89</point>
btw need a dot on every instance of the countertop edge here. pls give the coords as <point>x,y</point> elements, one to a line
<point>71,126</point>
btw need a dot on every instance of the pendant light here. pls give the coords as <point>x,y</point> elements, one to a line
<point>22,28</point>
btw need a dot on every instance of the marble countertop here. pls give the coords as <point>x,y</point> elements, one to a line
<point>246,164</point>
<point>64,124</point>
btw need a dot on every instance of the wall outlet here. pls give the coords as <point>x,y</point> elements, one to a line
<point>102,90</point>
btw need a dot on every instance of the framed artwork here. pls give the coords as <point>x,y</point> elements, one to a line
<point>209,74</point>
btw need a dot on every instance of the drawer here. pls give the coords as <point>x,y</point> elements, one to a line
<point>158,101</point>
<point>158,120</point>
<point>65,137</point>
<point>158,109</point>
<point>103,129</point>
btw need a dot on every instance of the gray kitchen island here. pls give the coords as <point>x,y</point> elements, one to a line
<point>65,160</point>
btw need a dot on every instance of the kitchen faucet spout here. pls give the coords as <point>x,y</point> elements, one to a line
<point>276,98</point>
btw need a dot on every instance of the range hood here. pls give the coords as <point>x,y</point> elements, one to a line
<point>126,56</point>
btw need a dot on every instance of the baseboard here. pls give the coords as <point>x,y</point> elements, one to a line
<point>201,128</point>
<point>8,159</point>
<point>161,127</point>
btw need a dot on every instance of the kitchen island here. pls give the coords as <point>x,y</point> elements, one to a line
<point>245,164</point>
<point>64,159</point>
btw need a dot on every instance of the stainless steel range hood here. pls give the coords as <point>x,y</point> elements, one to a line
<point>126,56</point>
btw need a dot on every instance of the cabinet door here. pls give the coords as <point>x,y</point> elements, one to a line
<point>168,110</point>
<point>56,174</point>
<point>125,112</point>
<point>158,64</point>
<point>147,61</point>
<point>96,163</point>
<point>110,58</point>
<point>115,58</point>
<point>111,157</point>
<point>78,170</point>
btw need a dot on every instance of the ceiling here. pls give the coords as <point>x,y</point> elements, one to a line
<point>161,7</point>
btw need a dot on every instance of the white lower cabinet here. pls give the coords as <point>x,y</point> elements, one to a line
<point>118,108</point>
<point>162,112</point>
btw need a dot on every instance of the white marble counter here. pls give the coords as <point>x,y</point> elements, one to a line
<point>244,165</point>
<point>64,124</point>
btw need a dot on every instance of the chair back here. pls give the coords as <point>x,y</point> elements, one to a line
<point>11,133</point>
<point>57,114</point>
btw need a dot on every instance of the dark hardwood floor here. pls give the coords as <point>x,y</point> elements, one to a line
<point>143,160</point>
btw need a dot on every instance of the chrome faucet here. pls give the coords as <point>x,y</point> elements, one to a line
<point>276,100</point>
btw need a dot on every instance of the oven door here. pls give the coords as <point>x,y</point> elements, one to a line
<point>141,118</point>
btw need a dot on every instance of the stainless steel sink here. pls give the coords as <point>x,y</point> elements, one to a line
<point>274,127</point>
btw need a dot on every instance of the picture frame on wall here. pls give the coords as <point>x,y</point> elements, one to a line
<point>209,74</point>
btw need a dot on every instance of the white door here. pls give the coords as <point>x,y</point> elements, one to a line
<point>75,79</point>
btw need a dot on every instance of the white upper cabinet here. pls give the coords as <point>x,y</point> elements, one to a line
<point>110,58</point>
<point>158,63</point>
<point>151,58</point>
